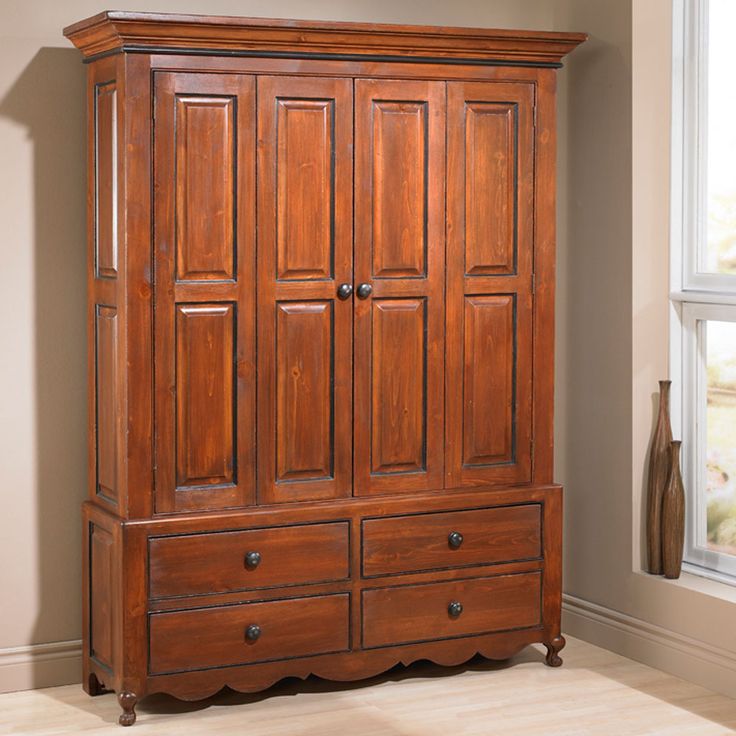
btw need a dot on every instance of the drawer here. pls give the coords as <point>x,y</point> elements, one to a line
<point>226,635</point>
<point>437,541</point>
<point>219,562</point>
<point>415,613</point>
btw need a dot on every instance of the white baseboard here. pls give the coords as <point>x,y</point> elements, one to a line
<point>682,656</point>
<point>40,665</point>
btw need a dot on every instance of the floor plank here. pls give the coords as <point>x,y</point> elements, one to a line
<point>595,692</point>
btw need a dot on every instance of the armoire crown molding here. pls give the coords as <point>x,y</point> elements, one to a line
<point>113,31</point>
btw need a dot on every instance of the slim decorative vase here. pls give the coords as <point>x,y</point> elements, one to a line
<point>659,466</point>
<point>673,517</point>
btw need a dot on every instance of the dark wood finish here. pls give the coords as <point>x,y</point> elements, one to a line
<point>198,564</point>
<point>399,236</point>
<point>401,544</point>
<point>288,628</point>
<point>423,612</point>
<point>489,356</point>
<point>205,317</point>
<point>304,254</point>
<point>313,450</point>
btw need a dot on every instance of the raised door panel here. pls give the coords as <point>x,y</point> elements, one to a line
<point>490,190</point>
<point>400,254</point>
<point>205,420</point>
<point>304,380</point>
<point>304,254</point>
<point>206,170</point>
<point>488,379</point>
<point>204,320</point>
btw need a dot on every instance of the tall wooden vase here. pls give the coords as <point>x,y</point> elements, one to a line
<point>673,517</point>
<point>659,467</point>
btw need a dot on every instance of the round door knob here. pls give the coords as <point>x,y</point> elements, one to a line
<point>253,559</point>
<point>455,609</point>
<point>344,291</point>
<point>454,539</point>
<point>253,632</point>
<point>364,291</point>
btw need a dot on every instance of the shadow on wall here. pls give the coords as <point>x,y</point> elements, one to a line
<point>48,98</point>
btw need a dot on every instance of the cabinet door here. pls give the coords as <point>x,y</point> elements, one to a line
<point>400,254</point>
<point>305,252</point>
<point>490,227</point>
<point>204,322</point>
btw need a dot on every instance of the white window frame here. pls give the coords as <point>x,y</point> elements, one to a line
<point>696,295</point>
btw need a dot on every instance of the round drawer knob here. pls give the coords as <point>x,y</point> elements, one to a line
<point>364,291</point>
<point>253,559</point>
<point>455,539</point>
<point>455,609</point>
<point>253,632</point>
<point>344,291</point>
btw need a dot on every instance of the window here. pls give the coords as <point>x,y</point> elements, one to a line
<point>703,235</point>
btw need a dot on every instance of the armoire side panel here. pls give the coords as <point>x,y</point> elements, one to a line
<point>204,319</point>
<point>106,179</point>
<point>489,299</point>
<point>305,251</point>
<point>106,400</point>
<point>400,254</point>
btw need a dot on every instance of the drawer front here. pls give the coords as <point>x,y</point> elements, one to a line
<point>452,539</point>
<point>423,612</point>
<point>222,636</point>
<point>219,562</point>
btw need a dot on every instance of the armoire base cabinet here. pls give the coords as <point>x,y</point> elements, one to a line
<point>321,325</point>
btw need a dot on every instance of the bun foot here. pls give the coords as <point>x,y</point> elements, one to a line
<point>127,702</point>
<point>553,658</point>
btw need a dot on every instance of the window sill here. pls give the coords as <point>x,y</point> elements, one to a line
<point>692,578</point>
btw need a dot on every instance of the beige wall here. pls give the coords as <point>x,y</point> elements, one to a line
<point>612,347</point>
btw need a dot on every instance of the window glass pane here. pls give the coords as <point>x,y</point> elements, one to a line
<point>721,436</point>
<point>721,146</point>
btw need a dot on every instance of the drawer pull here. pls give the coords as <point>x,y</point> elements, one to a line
<point>455,609</point>
<point>253,559</point>
<point>253,632</point>
<point>455,539</point>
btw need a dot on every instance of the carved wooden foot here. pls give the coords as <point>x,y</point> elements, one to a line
<point>94,686</point>
<point>127,702</point>
<point>553,659</point>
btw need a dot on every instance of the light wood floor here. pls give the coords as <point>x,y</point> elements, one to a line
<point>595,692</point>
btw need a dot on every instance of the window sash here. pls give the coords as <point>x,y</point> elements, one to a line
<point>694,432</point>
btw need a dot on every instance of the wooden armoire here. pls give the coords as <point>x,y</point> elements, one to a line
<point>321,341</point>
